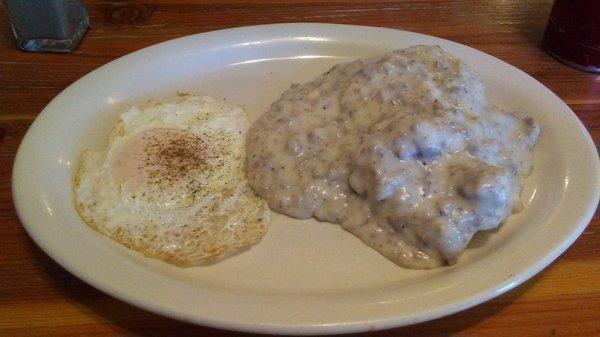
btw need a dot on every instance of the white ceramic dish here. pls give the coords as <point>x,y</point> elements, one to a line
<point>304,277</point>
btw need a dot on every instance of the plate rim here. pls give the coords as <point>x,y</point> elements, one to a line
<point>345,327</point>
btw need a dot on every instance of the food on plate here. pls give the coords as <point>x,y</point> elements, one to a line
<point>171,182</point>
<point>402,150</point>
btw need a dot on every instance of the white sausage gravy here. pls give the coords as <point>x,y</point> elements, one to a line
<point>401,150</point>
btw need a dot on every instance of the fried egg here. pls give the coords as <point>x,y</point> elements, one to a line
<point>171,183</point>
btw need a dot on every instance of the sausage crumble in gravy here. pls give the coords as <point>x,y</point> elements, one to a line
<point>401,150</point>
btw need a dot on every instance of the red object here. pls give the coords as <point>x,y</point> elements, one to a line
<point>573,34</point>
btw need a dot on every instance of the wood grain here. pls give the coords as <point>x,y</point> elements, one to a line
<point>39,298</point>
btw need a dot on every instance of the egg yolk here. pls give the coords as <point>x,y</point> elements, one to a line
<point>162,166</point>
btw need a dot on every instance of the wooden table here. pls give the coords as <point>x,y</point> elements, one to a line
<point>39,298</point>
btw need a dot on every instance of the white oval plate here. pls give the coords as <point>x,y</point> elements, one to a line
<point>304,277</point>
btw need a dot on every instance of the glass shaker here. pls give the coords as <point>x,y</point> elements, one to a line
<point>48,25</point>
